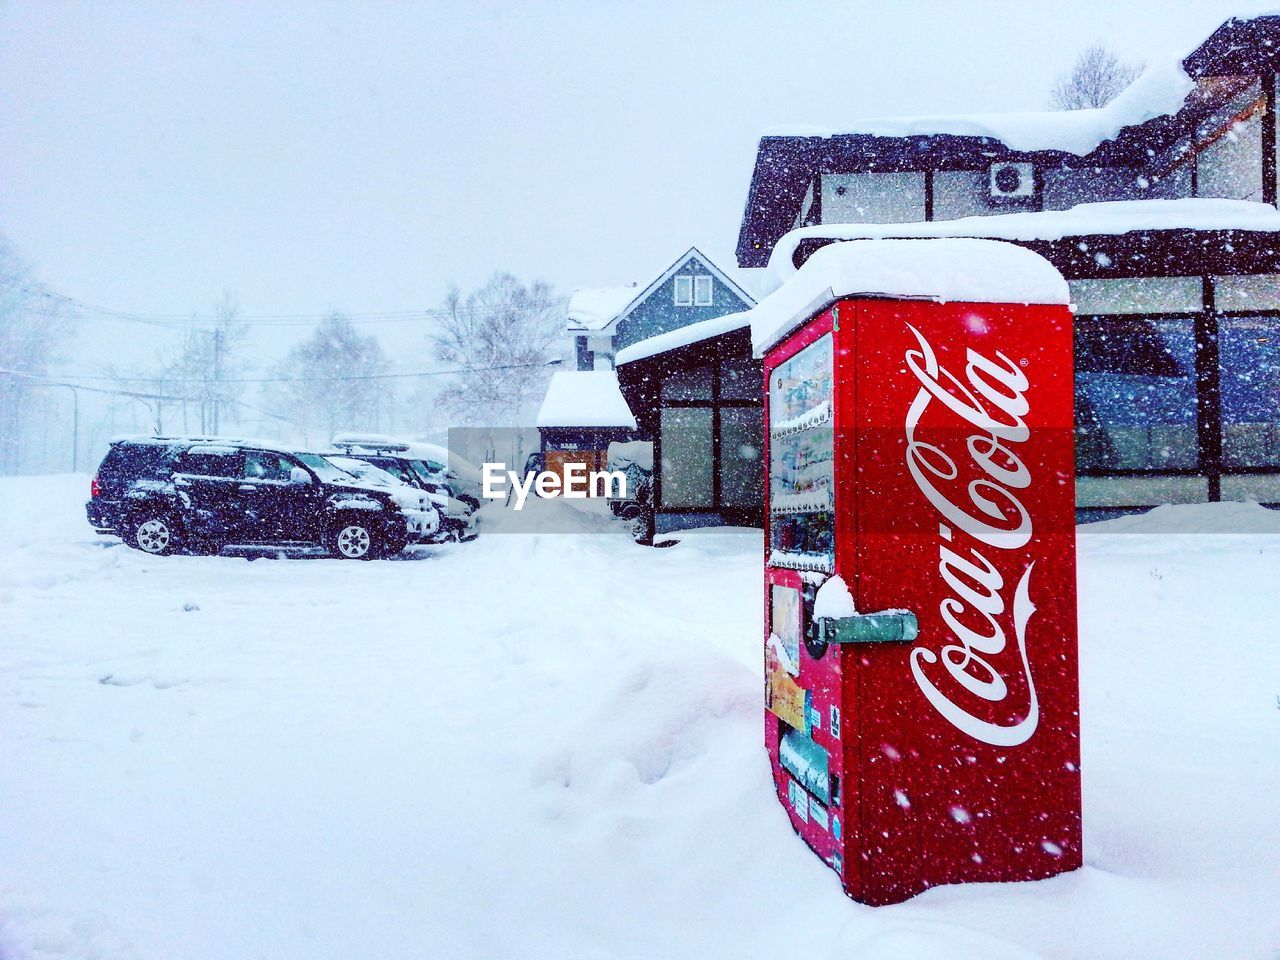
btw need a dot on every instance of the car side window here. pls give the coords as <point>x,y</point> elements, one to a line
<point>264,465</point>
<point>396,469</point>
<point>209,463</point>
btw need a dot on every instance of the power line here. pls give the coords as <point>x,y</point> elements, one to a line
<point>335,379</point>
<point>184,321</point>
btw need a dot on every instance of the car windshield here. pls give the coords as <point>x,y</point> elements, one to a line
<point>322,468</point>
<point>426,474</point>
<point>367,471</point>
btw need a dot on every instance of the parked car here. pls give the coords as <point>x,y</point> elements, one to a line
<point>457,518</point>
<point>161,494</point>
<point>428,463</point>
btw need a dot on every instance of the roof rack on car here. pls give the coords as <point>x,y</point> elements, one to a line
<point>348,441</point>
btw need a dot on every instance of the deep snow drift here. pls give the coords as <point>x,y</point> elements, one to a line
<point>550,746</point>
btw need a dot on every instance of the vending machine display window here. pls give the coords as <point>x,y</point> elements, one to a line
<point>801,461</point>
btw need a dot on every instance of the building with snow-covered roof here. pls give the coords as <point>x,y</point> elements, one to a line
<point>583,412</point>
<point>1160,211</point>
<point>603,320</point>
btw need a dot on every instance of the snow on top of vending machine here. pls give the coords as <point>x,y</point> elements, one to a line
<point>950,269</point>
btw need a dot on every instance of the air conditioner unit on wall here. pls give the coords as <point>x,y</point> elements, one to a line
<point>1012,181</point>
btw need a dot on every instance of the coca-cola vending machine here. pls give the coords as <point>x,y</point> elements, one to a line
<point>920,583</point>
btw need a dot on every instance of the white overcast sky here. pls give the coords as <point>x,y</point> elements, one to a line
<point>362,156</point>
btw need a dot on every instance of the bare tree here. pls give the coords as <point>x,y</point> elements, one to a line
<point>1096,78</point>
<point>31,329</point>
<point>333,381</point>
<point>501,339</point>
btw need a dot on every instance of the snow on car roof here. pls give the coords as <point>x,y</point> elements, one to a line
<point>952,269</point>
<point>592,308</point>
<point>1161,90</point>
<point>353,443</point>
<point>586,398</point>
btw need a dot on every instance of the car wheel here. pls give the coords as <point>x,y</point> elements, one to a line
<point>353,540</point>
<point>153,533</point>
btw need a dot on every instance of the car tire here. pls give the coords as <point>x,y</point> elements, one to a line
<point>153,532</point>
<point>354,539</point>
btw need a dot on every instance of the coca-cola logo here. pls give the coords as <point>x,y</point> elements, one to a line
<point>991,405</point>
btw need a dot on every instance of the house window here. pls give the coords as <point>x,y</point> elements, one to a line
<point>1138,295</point>
<point>687,434</point>
<point>741,471</point>
<point>872,197</point>
<point>1250,356</point>
<point>1136,406</point>
<point>684,384</point>
<point>1229,141</point>
<point>691,291</point>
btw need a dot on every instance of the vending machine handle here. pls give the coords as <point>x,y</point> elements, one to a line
<point>898,626</point>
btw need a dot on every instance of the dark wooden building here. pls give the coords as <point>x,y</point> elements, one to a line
<point>698,393</point>
<point>1160,210</point>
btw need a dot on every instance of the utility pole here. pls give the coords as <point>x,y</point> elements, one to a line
<point>217,375</point>
<point>75,430</point>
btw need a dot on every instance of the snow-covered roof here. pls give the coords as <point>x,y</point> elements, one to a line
<point>1086,219</point>
<point>586,398</point>
<point>592,308</point>
<point>1161,89</point>
<point>682,337</point>
<point>954,269</point>
<point>597,308</point>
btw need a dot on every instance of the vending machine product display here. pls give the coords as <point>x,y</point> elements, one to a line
<point>920,624</point>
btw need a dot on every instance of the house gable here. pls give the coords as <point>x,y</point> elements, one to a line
<point>691,290</point>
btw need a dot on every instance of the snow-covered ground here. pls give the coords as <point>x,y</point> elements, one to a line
<point>550,746</point>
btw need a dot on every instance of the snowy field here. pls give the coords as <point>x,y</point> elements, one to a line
<point>550,747</point>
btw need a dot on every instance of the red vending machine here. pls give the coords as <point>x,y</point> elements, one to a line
<point>920,584</point>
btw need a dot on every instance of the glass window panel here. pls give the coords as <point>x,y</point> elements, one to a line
<point>1138,295</point>
<point>702,291</point>
<point>872,197</point>
<point>801,461</point>
<point>1249,350</point>
<point>741,449</point>
<point>687,384</point>
<point>961,193</point>
<point>686,457</point>
<point>1229,163</point>
<point>207,463</point>
<point>741,379</point>
<point>263,465</point>
<point>684,291</point>
<point>1135,394</point>
<point>1258,292</point>
<point>801,385</point>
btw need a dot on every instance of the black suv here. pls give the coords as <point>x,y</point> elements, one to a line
<point>160,494</point>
